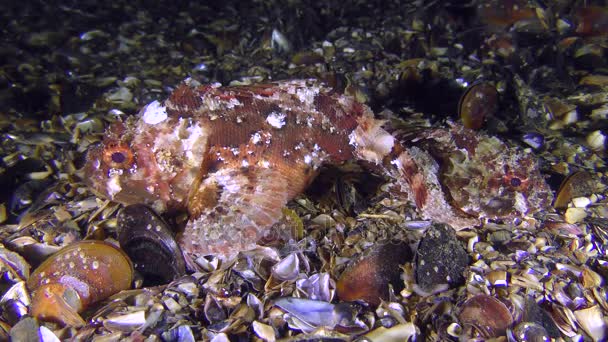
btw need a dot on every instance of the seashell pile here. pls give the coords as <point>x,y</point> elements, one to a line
<point>287,170</point>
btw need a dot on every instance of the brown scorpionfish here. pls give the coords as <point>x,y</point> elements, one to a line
<point>234,156</point>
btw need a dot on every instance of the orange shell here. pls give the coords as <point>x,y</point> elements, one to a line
<point>77,276</point>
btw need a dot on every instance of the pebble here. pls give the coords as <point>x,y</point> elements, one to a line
<point>440,258</point>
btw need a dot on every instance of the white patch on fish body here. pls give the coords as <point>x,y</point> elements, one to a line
<point>276,120</point>
<point>520,203</point>
<point>195,144</point>
<point>114,185</point>
<point>255,138</point>
<point>154,113</point>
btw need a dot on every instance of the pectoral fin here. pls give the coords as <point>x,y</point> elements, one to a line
<point>234,208</point>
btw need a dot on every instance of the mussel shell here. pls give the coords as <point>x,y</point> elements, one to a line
<point>367,278</point>
<point>148,241</point>
<point>92,262</point>
<point>577,184</point>
<point>77,276</point>
<point>489,316</point>
<point>478,103</point>
<point>534,140</point>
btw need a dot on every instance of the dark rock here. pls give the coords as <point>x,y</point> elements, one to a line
<point>440,258</point>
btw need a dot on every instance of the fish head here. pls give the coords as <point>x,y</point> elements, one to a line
<point>153,158</point>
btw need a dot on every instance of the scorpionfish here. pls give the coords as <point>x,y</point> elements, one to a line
<point>233,156</point>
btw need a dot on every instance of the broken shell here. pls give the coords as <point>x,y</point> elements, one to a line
<point>590,278</point>
<point>400,332</point>
<point>307,315</point>
<point>149,243</point>
<point>264,331</point>
<point>596,140</point>
<point>288,268</point>
<point>559,109</point>
<point>592,321</point>
<point>486,314</point>
<point>479,102</point>
<point>498,278</point>
<point>76,277</point>
<point>368,277</point>
<point>126,322</point>
<point>575,215</point>
<point>534,140</point>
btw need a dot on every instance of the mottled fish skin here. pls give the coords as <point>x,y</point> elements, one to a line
<point>479,176</point>
<point>234,156</point>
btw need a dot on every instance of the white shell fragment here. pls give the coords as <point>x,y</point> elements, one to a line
<point>575,215</point>
<point>596,140</point>
<point>400,332</point>
<point>46,335</point>
<point>581,202</point>
<point>126,322</point>
<point>288,268</point>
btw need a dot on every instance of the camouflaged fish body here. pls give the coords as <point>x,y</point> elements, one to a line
<point>234,156</point>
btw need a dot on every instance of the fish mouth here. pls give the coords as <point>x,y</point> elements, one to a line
<point>92,172</point>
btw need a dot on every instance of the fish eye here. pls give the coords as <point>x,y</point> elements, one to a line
<point>515,182</point>
<point>118,156</point>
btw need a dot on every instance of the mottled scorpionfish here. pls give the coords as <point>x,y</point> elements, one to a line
<point>234,156</point>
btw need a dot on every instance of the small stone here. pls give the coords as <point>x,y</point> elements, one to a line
<point>575,215</point>
<point>440,259</point>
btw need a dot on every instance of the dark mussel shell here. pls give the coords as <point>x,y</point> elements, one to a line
<point>150,244</point>
<point>477,104</point>
<point>488,315</point>
<point>368,277</point>
<point>577,184</point>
